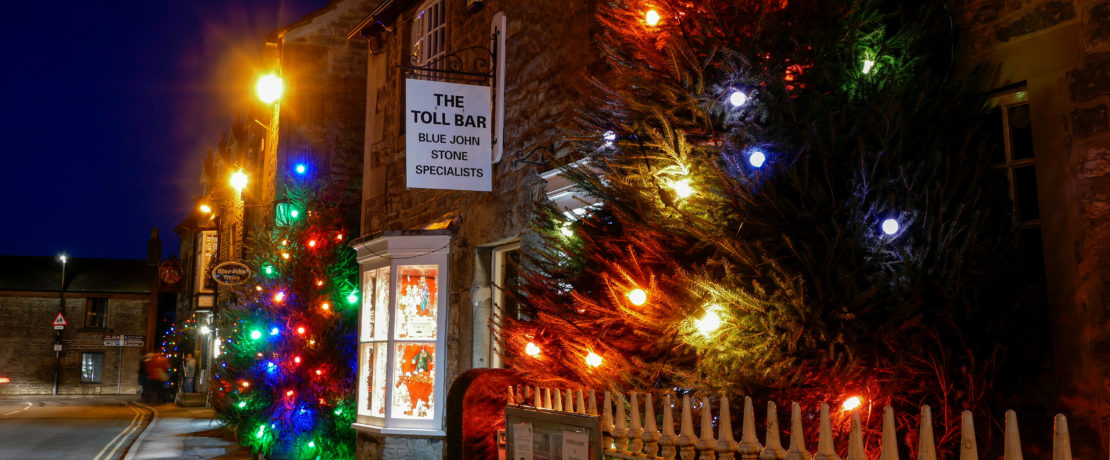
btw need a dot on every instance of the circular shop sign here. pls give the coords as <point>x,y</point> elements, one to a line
<point>231,273</point>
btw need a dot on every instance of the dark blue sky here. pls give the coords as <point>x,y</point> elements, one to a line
<point>106,109</point>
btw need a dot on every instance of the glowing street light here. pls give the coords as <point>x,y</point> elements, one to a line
<point>239,180</point>
<point>269,88</point>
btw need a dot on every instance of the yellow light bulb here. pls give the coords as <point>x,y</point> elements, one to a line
<point>326,306</point>
<point>682,188</point>
<point>637,296</point>
<point>593,360</point>
<point>652,18</point>
<point>532,349</point>
<point>852,403</point>
<point>269,88</point>
<point>206,209</point>
<point>239,180</point>
<point>710,321</point>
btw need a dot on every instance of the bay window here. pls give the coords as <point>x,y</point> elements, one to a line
<point>402,326</point>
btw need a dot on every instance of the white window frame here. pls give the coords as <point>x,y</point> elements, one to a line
<point>394,251</point>
<point>1010,165</point>
<point>497,281</point>
<point>429,32</point>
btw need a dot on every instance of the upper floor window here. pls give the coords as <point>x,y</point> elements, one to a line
<point>1015,155</point>
<point>429,33</point>
<point>96,313</point>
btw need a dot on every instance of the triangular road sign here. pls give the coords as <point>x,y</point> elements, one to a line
<point>60,320</point>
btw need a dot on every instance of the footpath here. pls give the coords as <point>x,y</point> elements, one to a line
<point>184,433</point>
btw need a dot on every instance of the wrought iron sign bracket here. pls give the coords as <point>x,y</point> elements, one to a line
<point>472,65</point>
<point>543,153</point>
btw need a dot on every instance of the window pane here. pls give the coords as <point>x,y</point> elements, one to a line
<point>997,138</point>
<point>92,367</point>
<point>96,313</point>
<point>417,301</point>
<point>1021,132</point>
<point>414,381</point>
<point>371,382</point>
<point>1025,187</point>
<point>377,363</point>
<point>379,315</point>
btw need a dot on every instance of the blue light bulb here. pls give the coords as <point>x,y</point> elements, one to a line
<point>300,168</point>
<point>757,158</point>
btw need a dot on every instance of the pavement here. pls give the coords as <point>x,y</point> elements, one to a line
<point>184,433</point>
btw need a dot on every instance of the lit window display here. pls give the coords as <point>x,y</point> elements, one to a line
<point>403,311</point>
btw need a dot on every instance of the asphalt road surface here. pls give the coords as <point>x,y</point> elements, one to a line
<point>59,427</point>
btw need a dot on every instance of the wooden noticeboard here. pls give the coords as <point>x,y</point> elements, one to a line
<point>535,434</point>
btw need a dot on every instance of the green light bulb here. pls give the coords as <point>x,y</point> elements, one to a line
<point>352,297</point>
<point>256,334</point>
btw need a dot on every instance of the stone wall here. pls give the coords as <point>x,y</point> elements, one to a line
<point>322,113</point>
<point>378,447</point>
<point>27,344</point>
<point>1060,51</point>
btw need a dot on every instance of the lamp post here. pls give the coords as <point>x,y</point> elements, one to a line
<point>58,333</point>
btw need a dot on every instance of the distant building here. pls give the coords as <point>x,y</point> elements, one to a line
<point>104,299</point>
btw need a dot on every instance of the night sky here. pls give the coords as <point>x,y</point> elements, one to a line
<point>108,108</point>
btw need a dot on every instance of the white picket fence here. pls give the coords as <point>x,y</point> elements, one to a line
<point>634,436</point>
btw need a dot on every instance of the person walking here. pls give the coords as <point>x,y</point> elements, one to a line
<point>190,373</point>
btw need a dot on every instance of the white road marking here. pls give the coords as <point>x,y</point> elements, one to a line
<point>136,421</point>
<point>18,411</point>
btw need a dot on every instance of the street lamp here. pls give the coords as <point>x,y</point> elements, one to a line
<point>63,258</point>
<point>238,180</point>
<point>269,88</point>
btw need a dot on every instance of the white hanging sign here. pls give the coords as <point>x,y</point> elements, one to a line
<point>447,136</point>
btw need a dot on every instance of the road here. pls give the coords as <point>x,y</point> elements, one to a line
<point>58,427</point>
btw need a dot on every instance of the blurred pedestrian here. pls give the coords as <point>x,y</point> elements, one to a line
<point>157,373</point>
<point>190,370</point>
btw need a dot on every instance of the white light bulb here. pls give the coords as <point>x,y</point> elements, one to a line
<point>205,330</point>
<point>757,158</point>
<point>890,226</point>
<point>737,98</point>
<point>867,65</point>
<point>609,137</point>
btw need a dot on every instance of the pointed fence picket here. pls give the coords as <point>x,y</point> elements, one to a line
<point>636,435</point>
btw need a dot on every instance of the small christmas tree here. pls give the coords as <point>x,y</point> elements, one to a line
<point>287,373</point>
<point>794,204</point>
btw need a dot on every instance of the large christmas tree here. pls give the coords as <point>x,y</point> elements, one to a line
<point>795,203</point>
<point>286,377</point>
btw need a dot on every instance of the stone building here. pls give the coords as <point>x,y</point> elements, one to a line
<point>104,299</point>
<point>1049,63</point>
<point>314,130</point>
<point>449,255</point>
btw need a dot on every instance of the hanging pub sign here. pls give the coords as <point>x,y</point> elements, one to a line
<point>231,273</point>
<point>447,137</point>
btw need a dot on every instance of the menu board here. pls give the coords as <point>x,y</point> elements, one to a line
<point>549,435</point>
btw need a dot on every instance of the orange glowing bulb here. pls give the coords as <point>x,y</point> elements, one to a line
<point>319,372</point>
<point>637,296</point>
<point>258,288</point>
<point>245,384</point>
<point>300,330</point>
<point>285,255</point>
<point>339,237</point>
<point>284,242</point>
<point>652,18</point>
<point>279,297</point>
<point>289,393</point>
<point>319,282</point>
<point>297,359</point>
<point>852,403</point>
<point>311,243</point>
<point>532,349</point>
<point>326,306</point>
<point>593,360</point>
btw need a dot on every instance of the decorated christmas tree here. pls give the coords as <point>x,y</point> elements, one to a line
<point>794,202</point>
<point>286,376</point>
